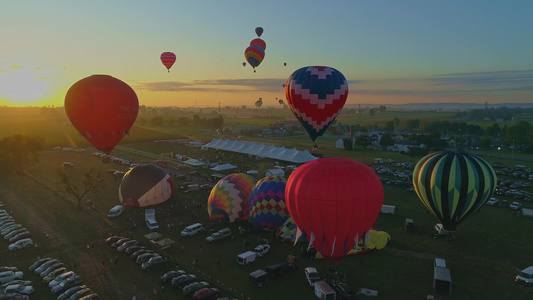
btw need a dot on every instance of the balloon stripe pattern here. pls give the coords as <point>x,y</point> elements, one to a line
<point>228,200</point>
<point>254,55</point>
<point>316,95</point>
<point>268,210</point>
<point>335,201</point>
<point>168,59</point>
<point>453,186</point>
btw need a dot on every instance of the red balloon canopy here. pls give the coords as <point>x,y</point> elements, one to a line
<point>168,59</point>
<point>259,43</point>
<point>335,201</point>
<point>103,109</point>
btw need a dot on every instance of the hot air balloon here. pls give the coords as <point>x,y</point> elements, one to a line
<point>244,64</point>
<point>280,101</point>
<point>102,109</point>
<point>168,59</point>
<point>284,64</point>
<point>259,43</point>
<point>316,95</point>
<point>228,200</point>
<point>259,31</point>
<point>268,210</point>
<point>335,201</point>
<point>453,185</point>
<point>145,185</point>
<point>254,55</point>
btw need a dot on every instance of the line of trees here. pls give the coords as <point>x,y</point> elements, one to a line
<point>18,152</point>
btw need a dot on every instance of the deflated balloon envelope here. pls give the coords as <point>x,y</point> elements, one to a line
<point>145,185</point>
<point>103,109</point>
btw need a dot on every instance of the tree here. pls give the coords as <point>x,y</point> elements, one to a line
<point>413,124</point>
<point>156,121</point>
<point>91,182</point>
<point>382,108</point>
<point>389,126</point>
<point>372,112</point>
<point>348,144</point>
<point>18,152</point>
<point>386,140</point>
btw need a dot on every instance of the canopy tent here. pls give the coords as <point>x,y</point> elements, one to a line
<point>194,162</point>
<point>224,167</point>
<point>152,236</point>
<point>166,242</point>
<point>279,153</point>
<point>251,172</point>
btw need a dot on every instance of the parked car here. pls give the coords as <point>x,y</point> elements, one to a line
<point>132,249</point>
<point>138,253</point>
<point>93,296</point>
<point>182,280</point>
<point>20,236</point>
<point>38,263</point>
<point>11,226</point>
<point>127,244</point>
<point>22,243</point>
<point>10,276</point>
<point>61,278</point>
<point>51,268</point>
<point>81,293</point>
<point>66,284</point>
<point>112,239</point>
<point>120,242</point>
<point>344,292</point>
<point>19,289</point>
<point>311,274</point>
<point>192,287</point>
<point>503,203</point>
<point>45,265</point>
<point>223,233</point>
<point>66,294</point>
<point>515,205</point>
<point>525,276</point>
<point>155,262</point>
<point>14,232</point>
<point>6,268</point>
<point>145,257</point>
<point>261,250</point>
<point>168,276</point>
<point>492,201</point>
<point>205,294</point>
<point>52,275</point>
<point>18,281</point>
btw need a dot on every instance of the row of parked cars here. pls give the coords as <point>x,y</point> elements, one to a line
<point>15,233</point>
<point>62,282</point>
<point>189,285</point>
<point>12,284</point>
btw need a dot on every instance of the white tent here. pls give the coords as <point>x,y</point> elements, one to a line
<point>194,162</point>
<point>224,167</point>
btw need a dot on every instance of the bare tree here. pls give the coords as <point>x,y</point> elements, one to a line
<point>91,182</point>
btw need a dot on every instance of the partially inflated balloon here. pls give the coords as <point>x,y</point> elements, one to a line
<point>316,95</point>
<point>145,185</point>
<point>335,201</point>
<point>254,55</point>
<point>259,43</point>
<point>259,31</point>
<point>268,210</point>
<point>168,59</point>
<point>103,109</point>
<point>228,201</point>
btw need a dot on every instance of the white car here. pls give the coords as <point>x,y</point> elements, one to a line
<point>311,274</point>
<point>439,262</point>
<point>10,276</point>
<point>21,244</point>
<point>492,201</point>
<point>515,205</point>
<point>261,250</point>
<point>19,289</point>
<point>60,278</point>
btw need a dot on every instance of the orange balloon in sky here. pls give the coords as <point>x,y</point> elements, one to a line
<point>103,109</point>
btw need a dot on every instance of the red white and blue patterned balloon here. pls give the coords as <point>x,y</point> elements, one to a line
<point>316,95</point>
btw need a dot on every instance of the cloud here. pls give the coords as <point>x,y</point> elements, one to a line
<point>216,85</point>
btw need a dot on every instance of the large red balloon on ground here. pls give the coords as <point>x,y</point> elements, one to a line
<point>103,109</point>
<point>335,201</point>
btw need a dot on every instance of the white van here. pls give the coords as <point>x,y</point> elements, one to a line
<point>192,229</point>
<point>388,209</point>
<point>246,258</point>
<point>116,211</point>
<point>525,276</point>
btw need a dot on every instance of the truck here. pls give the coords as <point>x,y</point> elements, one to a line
<point>246,257</point>
<point>442,280</point>
<point>149,217</point>
<point>192,188</point>
<point>324,291</point>
<point>155,262</point>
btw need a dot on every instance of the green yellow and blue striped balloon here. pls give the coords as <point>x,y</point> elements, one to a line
<point>453,185</point>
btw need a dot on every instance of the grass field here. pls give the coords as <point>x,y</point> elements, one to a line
<point>489,250</point>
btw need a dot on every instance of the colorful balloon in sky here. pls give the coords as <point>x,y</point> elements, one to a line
<point>268,210</point>
<point>259,43</point>
<point>145,185</point>
<point>254,55</point>
<point>103,109</point>
<point>228,200</point>
<point>259,31</point>
<point>453,185</point>
<point>316,95</point>
<point>335,201</point>
<point>168,59</point>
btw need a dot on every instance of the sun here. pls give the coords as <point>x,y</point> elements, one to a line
<point>23,86</point>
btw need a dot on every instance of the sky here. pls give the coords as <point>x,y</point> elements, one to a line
<point>391,52</point>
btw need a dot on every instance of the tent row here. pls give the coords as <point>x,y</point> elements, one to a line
<point>280,153</point>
